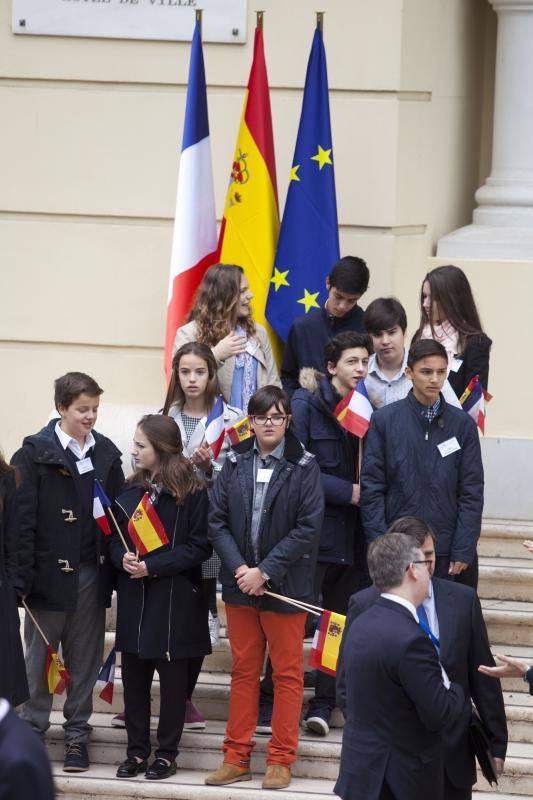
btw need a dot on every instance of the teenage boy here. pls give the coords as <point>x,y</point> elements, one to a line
<point>386,322</point>
<point>63,562</point>
<point>422,458</point>
<point>309,334</point>
<point>264,522</point>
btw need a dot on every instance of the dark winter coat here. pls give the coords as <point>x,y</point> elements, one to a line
<point>13,683</point>
<point>475,361</point>
<point>336,453</point>
<point>289,532</point>
<point>308,335</point>
<point>48,492</point>
<point>404,474</point>
<point>164,615</point>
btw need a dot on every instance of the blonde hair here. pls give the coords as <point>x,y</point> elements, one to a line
<point>215,304</point>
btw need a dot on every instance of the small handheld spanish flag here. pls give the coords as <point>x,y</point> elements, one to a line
<point>57,676</point>
<point>240,431</point>
<point>326,642</point>
<point>145,528</point>
<point>473,402</point>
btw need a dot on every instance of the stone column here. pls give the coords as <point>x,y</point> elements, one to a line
<point>503,221</point>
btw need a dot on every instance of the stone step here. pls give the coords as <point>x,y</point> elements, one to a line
<point>509,622</point>
<point>504,538</point>
<point>318,759</point>
<point>506,578</point>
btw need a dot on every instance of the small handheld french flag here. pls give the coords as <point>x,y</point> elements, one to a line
<point>214,427</point>
<point>354,411</point>
<point>105,681</point>
<point>100,502</point>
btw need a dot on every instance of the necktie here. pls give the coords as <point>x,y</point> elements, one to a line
<point>424,624</point>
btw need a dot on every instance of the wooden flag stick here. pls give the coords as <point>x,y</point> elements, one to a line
<point>122,539</point>
<point>259,15</point>
<point>359,459</point>
<point>198,18</point>
<point>28,612</point>
<point>320,21</point>
<point>298,603</point>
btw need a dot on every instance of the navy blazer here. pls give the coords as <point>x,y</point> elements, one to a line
<point>464,645</point>
<point>24,767</point>
<point>396,708</point>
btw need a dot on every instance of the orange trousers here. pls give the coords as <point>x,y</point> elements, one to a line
<point>249,630</point>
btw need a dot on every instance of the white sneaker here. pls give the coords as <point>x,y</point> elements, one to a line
<point>214,629</point>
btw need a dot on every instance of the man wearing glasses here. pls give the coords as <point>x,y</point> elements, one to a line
<point>264,522</point>
<point>451,617</point>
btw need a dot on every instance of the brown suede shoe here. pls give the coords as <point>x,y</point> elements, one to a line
<point>228,773</point>
<point>277,776</point>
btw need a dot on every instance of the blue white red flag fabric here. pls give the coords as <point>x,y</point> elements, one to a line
<point>105,681</point>
<point>354,410</point>
<point>473,402</point>
<point>194,243</point>
<point>100,503</point>
<point>214,427</point>
<point>308,244</point>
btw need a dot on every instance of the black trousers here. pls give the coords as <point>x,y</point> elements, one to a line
<point>468,578</point>
<point>453,793</point>
<point>174,681</point>
<point>334,585</point>
<point>385,793</point>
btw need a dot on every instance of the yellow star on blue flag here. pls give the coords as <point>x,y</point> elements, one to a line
<point>309,300</point>
<point>279,278</point>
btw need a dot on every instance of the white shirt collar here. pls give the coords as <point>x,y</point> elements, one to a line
<point>70,443</point>
<point>374,367</point>
<point>402,601</point>
<point>4,708</point>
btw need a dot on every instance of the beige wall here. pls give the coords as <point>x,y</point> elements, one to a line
<point>89,161</point>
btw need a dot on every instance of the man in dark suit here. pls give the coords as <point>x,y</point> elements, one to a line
<point>398,700</point>
<point>452,613</point>
<point>24,767</point>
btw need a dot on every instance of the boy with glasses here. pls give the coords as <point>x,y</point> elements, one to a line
<point>264,522</point>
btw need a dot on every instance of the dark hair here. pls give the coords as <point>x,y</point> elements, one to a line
<point>451,290</point>
<point>4,466</point>
<point>425,348</point>
<point>383,314</point>
<point>415,527</point>
<point>68,387</point>
<point>176,473</point>
<point>175,394</point>
<point>215,304</point>
<point>350,274</point>
<point>266,397</point>
<point>345,341</point>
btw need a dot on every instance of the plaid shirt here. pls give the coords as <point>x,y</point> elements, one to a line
<point>430,412</point>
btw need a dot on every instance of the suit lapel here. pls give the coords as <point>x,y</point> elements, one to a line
<point>445,608</point>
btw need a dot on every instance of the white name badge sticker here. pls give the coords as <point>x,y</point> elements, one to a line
<point>264,475</point>
<point>85,465</point>
<point>456,364</point>
<point>448,447</point>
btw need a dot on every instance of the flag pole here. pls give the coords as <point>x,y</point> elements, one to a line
<point>198,19</point>
<point>316,610</point>
<point>122,539</point>
<point>28,612</point>
<point>320,21</point>
<point>259,23</point>
<point>359,459</point>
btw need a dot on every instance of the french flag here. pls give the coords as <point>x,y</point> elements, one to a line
<point>354,411</point>
<point>473,402</point>
<point>105,681</point>
<point>194,242</point>
<point>214,427</point>
<point>100,503</point>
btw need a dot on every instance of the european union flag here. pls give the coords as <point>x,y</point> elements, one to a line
<point>308,243</point>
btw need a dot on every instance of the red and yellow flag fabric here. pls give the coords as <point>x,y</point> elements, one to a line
<point>57,676</point>
<point>145,528</point>
<point>240,431</point>
<point>250,225</point>
<point>326,642</point>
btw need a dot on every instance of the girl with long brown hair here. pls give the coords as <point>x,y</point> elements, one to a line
<point>161,613</point>
<point>448,314</point>
<point>221,318</point>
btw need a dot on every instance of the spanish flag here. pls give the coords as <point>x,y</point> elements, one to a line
<point>145,528</point>
<point>250,225</point>
<point>327,641</point>
<point>57,676</point>
<point>240,431</point>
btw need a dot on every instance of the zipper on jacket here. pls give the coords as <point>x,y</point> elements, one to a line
<point>171,590</point>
